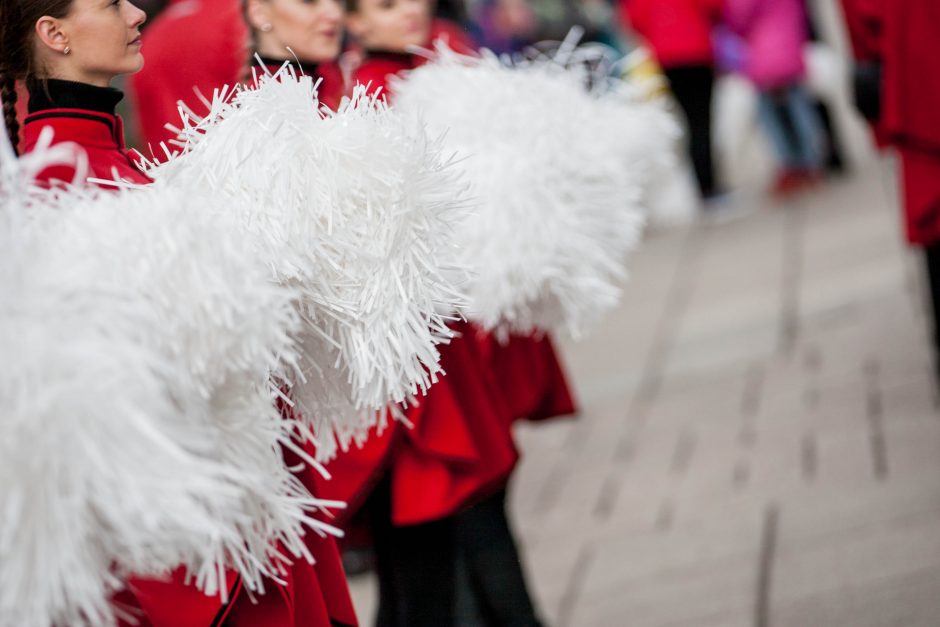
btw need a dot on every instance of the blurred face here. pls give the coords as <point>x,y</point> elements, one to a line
<point>310,29</point>
<point>392,25</point>
<point>96,41</point>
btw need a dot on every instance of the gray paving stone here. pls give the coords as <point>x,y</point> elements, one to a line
<point>775,364</point>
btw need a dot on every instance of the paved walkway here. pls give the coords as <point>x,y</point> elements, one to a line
<point>760,444</point>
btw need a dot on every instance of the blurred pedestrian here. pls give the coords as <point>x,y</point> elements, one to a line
<point>775,34</point>
<point>679,32</point>
<point>898,89</point>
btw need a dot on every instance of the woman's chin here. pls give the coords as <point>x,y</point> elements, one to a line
<point>320,54</point>
<point>134,64</point>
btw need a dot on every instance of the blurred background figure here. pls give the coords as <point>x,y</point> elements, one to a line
<point>192,48</point>
<point>774,37</point>
<point>897,88</point>
<point>679,33</point>
<point>505,26</point>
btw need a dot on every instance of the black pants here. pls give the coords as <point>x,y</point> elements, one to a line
<point>692,87</point>
<point>491,590</point>
<point>415,566</point>
<point>932,256</point>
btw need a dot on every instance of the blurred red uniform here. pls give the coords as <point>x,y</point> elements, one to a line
<point>192,45</point>
<point>901,35</point>
<point>678,31</point>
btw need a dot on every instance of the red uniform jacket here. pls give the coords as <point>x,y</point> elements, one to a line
<point>101,135</point>
<point>378,67</point>
<point>314,595</point>
<point>902,35</point>
<point>677,31</point>
<point>200,44</point>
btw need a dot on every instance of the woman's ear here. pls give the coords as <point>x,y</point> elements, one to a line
<point>258,13</point>
<point>50,34</point>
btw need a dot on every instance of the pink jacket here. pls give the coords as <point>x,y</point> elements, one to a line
<point>774,32</point>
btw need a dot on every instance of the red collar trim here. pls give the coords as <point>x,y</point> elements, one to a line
<point>84,127</point>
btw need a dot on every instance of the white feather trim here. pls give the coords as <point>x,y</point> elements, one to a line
<point>137,430</point>
<point>559,176</point>
<point>355,208</point>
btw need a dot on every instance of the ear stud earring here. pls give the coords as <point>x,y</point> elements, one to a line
<point>66,50</point>
<point>266,27</point>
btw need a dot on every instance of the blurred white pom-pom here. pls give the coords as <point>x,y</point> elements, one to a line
<point>558,173</point>
<point>355,208</point>
<point>138,430</point>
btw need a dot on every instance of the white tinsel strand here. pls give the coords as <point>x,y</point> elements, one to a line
<point>355,208</point>
<point>559,174</point>
<point>137,430</point>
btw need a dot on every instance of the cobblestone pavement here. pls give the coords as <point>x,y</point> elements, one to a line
<point>759,444</point>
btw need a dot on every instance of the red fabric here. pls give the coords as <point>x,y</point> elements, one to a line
<point>864,21</point>
<point>458,450</point>
<point>376,71</point>
<point>453,35</point>
<point>911,52</point>
<point>101,136</point>
<point>678,31</point>
<point>920,176</point>
<point>313,595</point>
<point>193,43</point>
<point>531,377</point>
<point>902,35</point>
<point>156,603</point>
<point>333,87</point>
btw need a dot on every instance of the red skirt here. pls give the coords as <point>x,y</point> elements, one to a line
<point>457,450</point>
<point>314,595</point>
<point>530,377</point>
<point>921,182</point>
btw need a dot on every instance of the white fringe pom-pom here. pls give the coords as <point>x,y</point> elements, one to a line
<point>558,172</point>
<point>356,209</point>
<point>137,428</point>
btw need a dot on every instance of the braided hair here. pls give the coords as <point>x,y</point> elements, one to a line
<point>17,23</point>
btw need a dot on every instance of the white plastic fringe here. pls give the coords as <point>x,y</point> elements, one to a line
<point>137,425</point>
<point>354,208</point>
<point>559,174</point>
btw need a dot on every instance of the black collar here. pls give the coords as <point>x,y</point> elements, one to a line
<point>309,69</point>
<point>53,93</point>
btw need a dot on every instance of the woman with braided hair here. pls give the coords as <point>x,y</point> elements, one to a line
<point>67,52</point>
